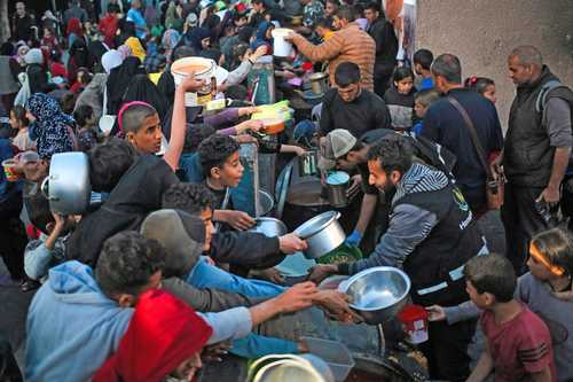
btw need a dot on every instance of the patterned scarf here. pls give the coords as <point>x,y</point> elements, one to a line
<point>51,126</point>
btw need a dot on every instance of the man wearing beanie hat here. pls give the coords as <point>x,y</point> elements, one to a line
<point>185,237</point>
<point>341,150</point>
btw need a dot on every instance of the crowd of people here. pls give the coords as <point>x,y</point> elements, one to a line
<point>158,274</point>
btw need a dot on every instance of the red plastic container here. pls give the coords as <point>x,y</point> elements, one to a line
<point>413,319</point>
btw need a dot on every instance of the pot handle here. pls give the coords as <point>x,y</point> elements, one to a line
<point>44,188</point>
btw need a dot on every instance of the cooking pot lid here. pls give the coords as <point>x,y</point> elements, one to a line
<point>283,188</point>
<point>337,178</point>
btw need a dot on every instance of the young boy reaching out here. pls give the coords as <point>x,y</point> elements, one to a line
<point>518,341</point>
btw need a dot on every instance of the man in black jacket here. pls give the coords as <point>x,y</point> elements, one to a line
<point>386,46</point>
<point>22,23</point>
<point>537,149</point>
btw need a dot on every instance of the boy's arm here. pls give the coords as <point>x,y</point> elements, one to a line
<point>544,376</point>
<point>483,368</point>
<point>178,130</point>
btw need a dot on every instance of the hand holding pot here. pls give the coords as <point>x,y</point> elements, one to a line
<point>337,305</point>
<point>239,220</point>
<point>435,313</point>
<point>291,243</point>
<point>214,352</point>
<point>354,187</point>
<point>297,298</point>
<point>320,272</point>
<point>192,84</point>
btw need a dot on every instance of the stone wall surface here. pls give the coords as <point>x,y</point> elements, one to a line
<point>483,32</point>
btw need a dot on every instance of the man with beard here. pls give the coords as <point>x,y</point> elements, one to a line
<point>431,235</point>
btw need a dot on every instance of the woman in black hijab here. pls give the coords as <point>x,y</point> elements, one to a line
<point>119,80</point>
<point>142,89</point>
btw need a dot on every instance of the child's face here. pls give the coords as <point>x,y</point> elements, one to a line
<point>230,174</point>
<point>149,138</point>
<point>404,86</point>
<point>14,122</point>
<point>420,109</point>
<point>490,93</point>
<point>206,43</point>
<point>538,269</point>
<point>482,301</point>
<point>241,22</point>
<point>186,371</point>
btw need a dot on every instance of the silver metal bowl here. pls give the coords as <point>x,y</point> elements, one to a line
<point>378,293</point>
<point>270,227</point>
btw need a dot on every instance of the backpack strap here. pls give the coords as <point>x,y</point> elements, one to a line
<point>542,96</point>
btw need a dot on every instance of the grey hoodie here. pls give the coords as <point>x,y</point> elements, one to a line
<point>409,225</point>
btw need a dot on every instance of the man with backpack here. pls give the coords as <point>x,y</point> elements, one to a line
<point>537,151</point>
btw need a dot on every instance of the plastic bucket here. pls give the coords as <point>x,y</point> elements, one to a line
<point>413,319</point>
<point>9,166</point>
<point>203,69</point>
<point>282,48</point>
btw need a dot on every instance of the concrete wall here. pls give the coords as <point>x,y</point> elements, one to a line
<point>483,32</point>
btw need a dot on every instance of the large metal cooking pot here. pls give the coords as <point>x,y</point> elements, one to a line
<point>270,227</point>
<point>67,186</point>
<point>378,293</point>
<point>322,233</point>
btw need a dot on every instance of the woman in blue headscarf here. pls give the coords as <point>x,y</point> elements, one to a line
<point>263,36</point>
<point>198,38</point>
<point>53,128</point>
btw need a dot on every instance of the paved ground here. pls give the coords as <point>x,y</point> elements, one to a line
<point>14,304</point>
<point>13,309</point>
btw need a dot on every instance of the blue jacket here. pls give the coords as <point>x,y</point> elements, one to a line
<point>72,326</point>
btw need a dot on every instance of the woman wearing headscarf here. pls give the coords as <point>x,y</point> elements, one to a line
<point>53,128</point>
<point>163,342</point>
<point>79,58</point>
<point>21,50</point>
<point>93,94</point>
<point>174,19</point>
<point>141,88</point>
<point>170,40</point>
<point>136,48</point>
<point>111,59</point>
<point>74,30</point>
<point>197,38</point>
<point>118,82</point>
<point>36,71</point>
<point>263,35</point>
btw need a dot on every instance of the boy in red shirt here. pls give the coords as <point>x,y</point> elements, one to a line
<point>518,341</point>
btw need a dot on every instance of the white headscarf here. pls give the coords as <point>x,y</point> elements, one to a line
<point>34,56</point>
<point>111,60</point>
